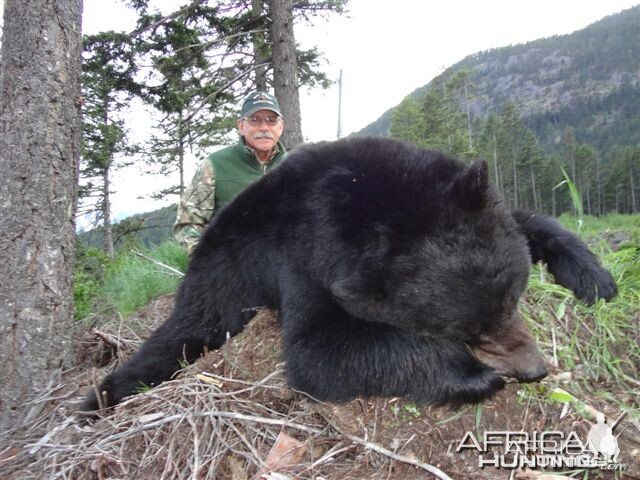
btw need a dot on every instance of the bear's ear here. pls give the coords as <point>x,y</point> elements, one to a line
<point>471,188</point>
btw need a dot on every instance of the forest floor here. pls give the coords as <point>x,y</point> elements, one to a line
<point>231,416</point>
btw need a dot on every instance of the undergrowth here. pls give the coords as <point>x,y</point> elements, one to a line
<point>128,282</point>
<point>597,347</point>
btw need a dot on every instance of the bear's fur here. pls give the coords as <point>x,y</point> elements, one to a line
<point>396,272</point>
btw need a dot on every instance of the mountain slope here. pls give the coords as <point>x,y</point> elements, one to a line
<point>589,79</point>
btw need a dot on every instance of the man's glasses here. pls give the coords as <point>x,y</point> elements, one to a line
<point>256,121</point>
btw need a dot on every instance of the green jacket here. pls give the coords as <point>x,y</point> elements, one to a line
<point>237,167</point>
<point>217,181</point>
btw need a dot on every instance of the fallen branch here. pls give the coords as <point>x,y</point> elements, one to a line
<point>435,471</point>
<point>108,339</point>
<point>160,264</point>
<point>213,414</point>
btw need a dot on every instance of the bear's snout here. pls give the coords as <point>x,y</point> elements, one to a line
<point>512,352</point>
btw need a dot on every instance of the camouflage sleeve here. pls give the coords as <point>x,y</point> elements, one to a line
<point>196,207</point>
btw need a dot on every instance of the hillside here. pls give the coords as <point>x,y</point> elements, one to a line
<point>150,228</point>
<point>589,80</point>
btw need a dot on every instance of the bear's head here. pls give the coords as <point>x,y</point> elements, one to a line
<point>459,277</point>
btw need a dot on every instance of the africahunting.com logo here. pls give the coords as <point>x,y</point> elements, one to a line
<point>548,449</point>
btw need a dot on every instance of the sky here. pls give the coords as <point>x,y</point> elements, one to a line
<point>385,49</point>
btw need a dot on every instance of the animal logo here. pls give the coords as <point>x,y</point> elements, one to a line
<point>601,440</point>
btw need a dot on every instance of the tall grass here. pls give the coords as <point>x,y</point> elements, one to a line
<point>129,281</point>
<point>599,344</point>
<point>574,193</point>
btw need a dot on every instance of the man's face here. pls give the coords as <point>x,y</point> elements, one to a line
<point>261,130</point>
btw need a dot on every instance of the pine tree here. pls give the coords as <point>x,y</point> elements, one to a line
<point>107,84</point>
<point>407,122</point>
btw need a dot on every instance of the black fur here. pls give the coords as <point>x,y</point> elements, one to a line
<point>572,264</point>
<point>386,263</point>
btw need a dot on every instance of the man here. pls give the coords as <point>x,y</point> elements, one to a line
<point>227,172</point>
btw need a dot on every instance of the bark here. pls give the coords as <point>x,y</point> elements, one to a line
<point>259,49</point>
<point>599,188</point>
<point>469,127</point>
<point>499,185</point>
<point>181,147</point>
<point>39,150</point>
<point>106,197</point>
<point>285,76</point>
<point>515,182</point>
<point>534,192</point>
<point>632,188</point>
<point>106,210</point>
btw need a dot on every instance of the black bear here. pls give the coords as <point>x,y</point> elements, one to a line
<point>396,272</point>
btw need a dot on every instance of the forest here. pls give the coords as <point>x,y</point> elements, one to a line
<point>525,174</point>
<point>566,103</point>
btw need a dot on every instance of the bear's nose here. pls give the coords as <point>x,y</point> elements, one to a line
<point>533,374</point>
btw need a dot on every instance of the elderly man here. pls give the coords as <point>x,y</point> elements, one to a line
<point>226,172</point>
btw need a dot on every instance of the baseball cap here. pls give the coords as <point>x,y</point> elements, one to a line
<point>257,101</point>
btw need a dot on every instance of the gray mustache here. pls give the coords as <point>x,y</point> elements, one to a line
<point>260,135</point>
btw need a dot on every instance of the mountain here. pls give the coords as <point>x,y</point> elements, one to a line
<point>150,228</point>
<point>589,79</point>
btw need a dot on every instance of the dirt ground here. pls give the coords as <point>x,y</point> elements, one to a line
<point>231,416</point>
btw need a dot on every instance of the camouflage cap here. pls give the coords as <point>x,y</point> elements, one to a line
<point>256,101</point>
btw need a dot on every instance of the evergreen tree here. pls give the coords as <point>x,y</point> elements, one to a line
<point>510,138</point>
<point>461,86</point>
<point>488,148</point>
<point>205,58</point>
<point>621,188</point>
<point>529,163</point>
<point>585,166</point>
<point>408,122</point>
<point>444,123</point>
<point>193,104</point>
<point>107,85</point>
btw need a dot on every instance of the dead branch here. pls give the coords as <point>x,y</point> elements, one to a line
<point>435,471</point>
<point>160,264</point>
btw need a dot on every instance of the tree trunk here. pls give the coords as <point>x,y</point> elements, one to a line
<point>515,182</point>
<point>533,190</point>
<point>285,75</point>
<point>39,152</point>
<point>469,128</point>
<point>259,50</point>
<point>632,188</point>
<point>598,188</point>
<point>106,197</point>
<point>106,213</point>
<point>499,185</point>
<point>181,137</point>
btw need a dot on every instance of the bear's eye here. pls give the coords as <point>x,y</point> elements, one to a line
<point>379,295</point>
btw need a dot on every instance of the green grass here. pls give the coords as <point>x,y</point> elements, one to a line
<point>594,228</point>
<point>600,344</point>
<point>132,281</point>
<point>128,282</point>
